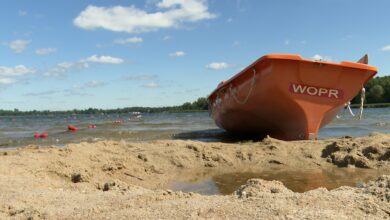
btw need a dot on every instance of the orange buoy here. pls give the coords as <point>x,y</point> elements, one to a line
<point>44,135</point>
<point>72,128</point>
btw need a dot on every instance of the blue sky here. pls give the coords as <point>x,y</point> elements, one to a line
<point>59,55</point>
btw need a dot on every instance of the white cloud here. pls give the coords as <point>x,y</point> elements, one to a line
<point>43,93</point>
<point>171,13</point>
<point>94,84</point>
<point>322,58</point>
<point>22,13</point>
<point>8,74</point>
<point>167,37</point>
<point>151,85</point>
<point>18,46</point>
<point>64,67</point>
<point>132,40</point>
<point>75,91</point>
<point>100,46</point>
<point>386,48</point>
<point>177,54</point>
<point>103,59</point>
<point>141,77</point>
<point>15,71</point>
<point>317,57</point>
<point>7,81</point>
<point>217,66</point>
<point>45,51</point>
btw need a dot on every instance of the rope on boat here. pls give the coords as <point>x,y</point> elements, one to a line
<point>362,98</point>
<point>349,109</point>
<point>234,91</point>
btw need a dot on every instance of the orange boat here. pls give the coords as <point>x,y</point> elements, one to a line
<point>286,96</point>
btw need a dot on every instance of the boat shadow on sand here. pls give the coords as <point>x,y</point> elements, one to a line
<point>217,135</point>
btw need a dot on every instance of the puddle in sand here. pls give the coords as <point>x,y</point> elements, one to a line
<point>297,181</point>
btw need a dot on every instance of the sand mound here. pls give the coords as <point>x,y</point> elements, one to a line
<point>358,152</point>
<point>254,187</point>
<point>379,188</point>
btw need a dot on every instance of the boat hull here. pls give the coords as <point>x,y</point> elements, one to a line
<point>285,96</point>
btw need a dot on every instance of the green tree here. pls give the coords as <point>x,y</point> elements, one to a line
<point>201,104</point>
<point>186,106</point>
<point>376,94</point>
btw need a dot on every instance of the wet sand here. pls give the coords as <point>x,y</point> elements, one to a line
<point>123,180</point>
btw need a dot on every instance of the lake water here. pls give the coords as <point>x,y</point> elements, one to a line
<point>297,181</point>
<point>19,131</point>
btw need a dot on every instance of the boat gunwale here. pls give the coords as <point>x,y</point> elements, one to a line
<point>294,57</point>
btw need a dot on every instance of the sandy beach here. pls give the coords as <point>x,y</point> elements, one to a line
<point>124,180</point>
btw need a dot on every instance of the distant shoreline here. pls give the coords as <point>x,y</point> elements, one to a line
<point>170,109</point>
<point>200,105</point>
<point>84,112</point>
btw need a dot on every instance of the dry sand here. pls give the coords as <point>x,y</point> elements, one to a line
<point>120,180</point>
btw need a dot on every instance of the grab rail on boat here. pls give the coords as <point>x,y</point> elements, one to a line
<point>233,91</point>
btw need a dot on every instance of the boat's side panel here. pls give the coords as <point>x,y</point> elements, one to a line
<point>244,106</point>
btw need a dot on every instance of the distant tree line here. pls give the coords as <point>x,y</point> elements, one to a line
<point>199,105</point>
<point>377,91</point>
